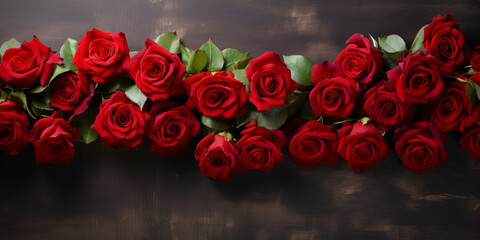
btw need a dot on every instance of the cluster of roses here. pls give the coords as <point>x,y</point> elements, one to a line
<point>250,108</point>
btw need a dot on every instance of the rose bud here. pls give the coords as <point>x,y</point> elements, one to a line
<point>53,140</point>
<point>475,61</point>
<point>218,95</point>
<point>421,147</point>
<point>157,72</point>
<point>121,122</point>
<point>102,55</point>
<point>470,141</point>
<point>13,128</point>
<point>314,142</point>
<point>28,65</point>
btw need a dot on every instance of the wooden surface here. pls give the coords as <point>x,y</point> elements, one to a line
<point>106,193</point>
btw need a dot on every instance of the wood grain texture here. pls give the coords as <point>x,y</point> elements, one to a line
<point>107,193</point>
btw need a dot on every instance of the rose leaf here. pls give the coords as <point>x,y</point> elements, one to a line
<point>67,51</point>
<point>170,41</point>
<point>136,96</point>
<point>273,119</point>
<point>12,43</point>
<point>418,42</point>
<point>241,75</point>
<point>214,55</point>
<point>392,44</point>
<point>197,61</point>
<point>215,124</point>
<point>84,122</point>
<point>232,55</point>
<point>301,69</point>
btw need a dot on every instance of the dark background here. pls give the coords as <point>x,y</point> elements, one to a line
<point>106,193</point>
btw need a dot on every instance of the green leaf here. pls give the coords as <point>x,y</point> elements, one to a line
<point>241,64</point>
<point>12,43</point>
<point>294,103</point>
<point>21,99</point>
<point>3,95</point>
<point>365,120</point>
<point>215,124</point>
<point>249,115</point>
<point>232,55</point>
<point>273,119</point>
<point>67,51</point>
<point>373,41</point>
<point>214,55</point>
<point>470,92</point>
<point>477,89</point>
<point>41,108</point>
<point>132,53</point>
<point>241,75</point>
<point>118,84</point>
<point>134,94</point>
<point>307,113</point>
<point>57,71</point>
<point>169,41</point>
<point>228,136</point>
<point>185,53</point>
<point>197,61</point>
<point>301,68</point>
<point>390,60</point>
<point>84,122</point>
<point>392,44</point>
<point>418,42</point>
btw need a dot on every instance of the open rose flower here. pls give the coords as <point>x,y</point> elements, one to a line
<point>445,42</point>
<point>360,60</point>
<point>121,122</point>
<point>53,140</point>
<point>314,142</point>
<point>270,81</point>
<point>421,147</point>
<point>417,78</point>
<point>470,141</point>
<point>216,156</point>
<point>326,70</point>
<point>218,95</point>
<point>475,61</point>
<point>362,145</point>
<point>102,55</point>
<point>28,65</point>
<point>13,128</point>
<point>157,72</point>
<point>170,128</point>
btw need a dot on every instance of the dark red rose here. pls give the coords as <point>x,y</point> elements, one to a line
<point>28,65</point>
<point>475,61</point>
<point>314,142</point>
<point>470,141</point>
<point>216,156</point>
<point>72,93</point>
<point>476,78</point>
<point>157,72</point>
<point>53,140</point>
<point>171,127</point>
<point>382,104</point>
<point>360,61</point>
<point>102,55</point>
<point>362,145</point>
<point>259,148</point>
<point>121,122</point>
<point>417,78</point>
<point>334,97</point>
<point>216,95</point>
<point>451,110</point>
<point>421,147</point>
<point>445,42</point>
<point>270,81</point>
<point>326,70</point>
<point>13,128</point>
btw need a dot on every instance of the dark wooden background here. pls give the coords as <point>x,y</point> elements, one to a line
<point>106,193</point>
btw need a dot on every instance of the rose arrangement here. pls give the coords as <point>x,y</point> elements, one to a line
<point>377,95</point>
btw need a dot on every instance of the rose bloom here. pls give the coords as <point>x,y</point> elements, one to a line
<point>216,156</point>
<point>470,140</point>
<point>444,41</point>
<point>362,145</point>
<point>270,81</point>
<point>171,127</point>
<point>102,55</point>
<point>121,122</point>
<point>53,140</point>
<point>218,95</point>
<point>360,60</point>
<point>314,142</point>
<point>421,147</point>
<point>28,65</point>
<point>326,70</point>
<point>13,128</point>
<point>157,72</point>
<point>417,78</point>
<point>475,61</point>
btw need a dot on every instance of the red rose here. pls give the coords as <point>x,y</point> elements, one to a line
<point>360,60</point>
<point>121,122</point>
<point>334,97</point>
<point>102,55</point>
<point>70,92</point>
<point>475,61</point>
<point>259,148</point>
<point>53,140</point>
<point>171,127</point>
<point>216,95</point>
<point>476,78</point>
<point>417,78</point>
<point>451,110</point>
<point>314,142</point>
<point>270,81</point>
<point>326,70</point>
<point>216,156</point>
<point>157,72</point>
<point>28,65</point>
<point>362,145</point>
<point>382,104</point>
<point>444,41</point>
<point>470,141</point>
<point>421,147</point>
<point>13,128</point>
